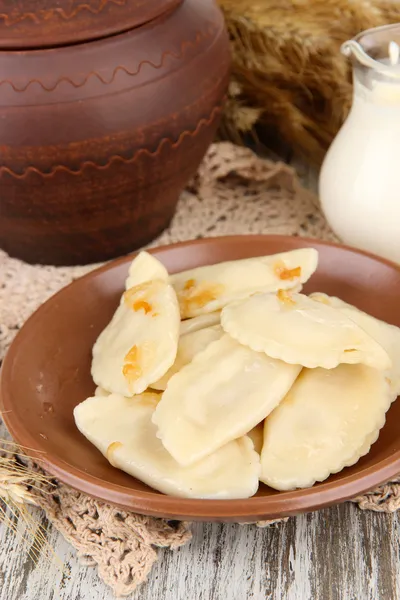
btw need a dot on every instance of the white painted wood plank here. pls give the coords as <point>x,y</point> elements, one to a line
<point>336,554</point>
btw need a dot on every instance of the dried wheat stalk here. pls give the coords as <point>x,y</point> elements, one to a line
<point>288,73</point>
<point>21,485</point>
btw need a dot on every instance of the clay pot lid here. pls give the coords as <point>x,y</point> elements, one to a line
<point>29,24</point>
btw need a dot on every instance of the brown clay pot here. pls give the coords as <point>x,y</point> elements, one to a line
<point>98,139</point>
<point>45,23</point>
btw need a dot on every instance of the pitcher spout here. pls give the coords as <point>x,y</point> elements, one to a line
<point>377,49</point>
<point>353,49</point>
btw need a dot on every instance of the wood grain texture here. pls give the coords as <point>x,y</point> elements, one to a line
<point>341,553</point>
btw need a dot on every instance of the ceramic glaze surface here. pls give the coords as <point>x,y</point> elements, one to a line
<point>99,139</point>
<point>57,373</point>
<point>359,180</point>
<point>45,23</point>
<point>359,186</point>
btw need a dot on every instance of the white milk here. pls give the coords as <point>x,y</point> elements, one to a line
<point>360,179</point>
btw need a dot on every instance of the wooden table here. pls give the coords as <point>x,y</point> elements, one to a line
<point>341,553</point>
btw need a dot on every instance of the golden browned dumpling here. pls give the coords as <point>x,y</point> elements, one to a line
<point>207,289</point>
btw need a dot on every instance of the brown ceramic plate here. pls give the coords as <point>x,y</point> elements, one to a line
<point>47,372</point>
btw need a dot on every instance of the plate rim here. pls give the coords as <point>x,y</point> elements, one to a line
<point>156,504</point>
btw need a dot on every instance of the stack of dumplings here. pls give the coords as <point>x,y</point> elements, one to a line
<point>214,379</point>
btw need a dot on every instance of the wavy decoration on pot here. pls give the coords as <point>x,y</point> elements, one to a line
<point>185,45</point>
<point>115,159</point>
<point>45,15</point>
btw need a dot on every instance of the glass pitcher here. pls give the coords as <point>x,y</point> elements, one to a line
<point>359,183</point>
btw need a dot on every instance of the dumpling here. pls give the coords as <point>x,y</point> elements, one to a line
<point>328,420</point>
<point>294,328</point>
<point>189,345</point>
<point>207,289</point>
<point>145,267</point>
<point>257,437</point>
<point>200,322</point>
<point>140,343</point>
<point>221,395</point>
<point>365,448</point>
<point>388,336</point>
<point>121,428</point>
<point>100,392</point>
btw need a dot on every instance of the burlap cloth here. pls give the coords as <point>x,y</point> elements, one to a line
<point>235,192</point>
